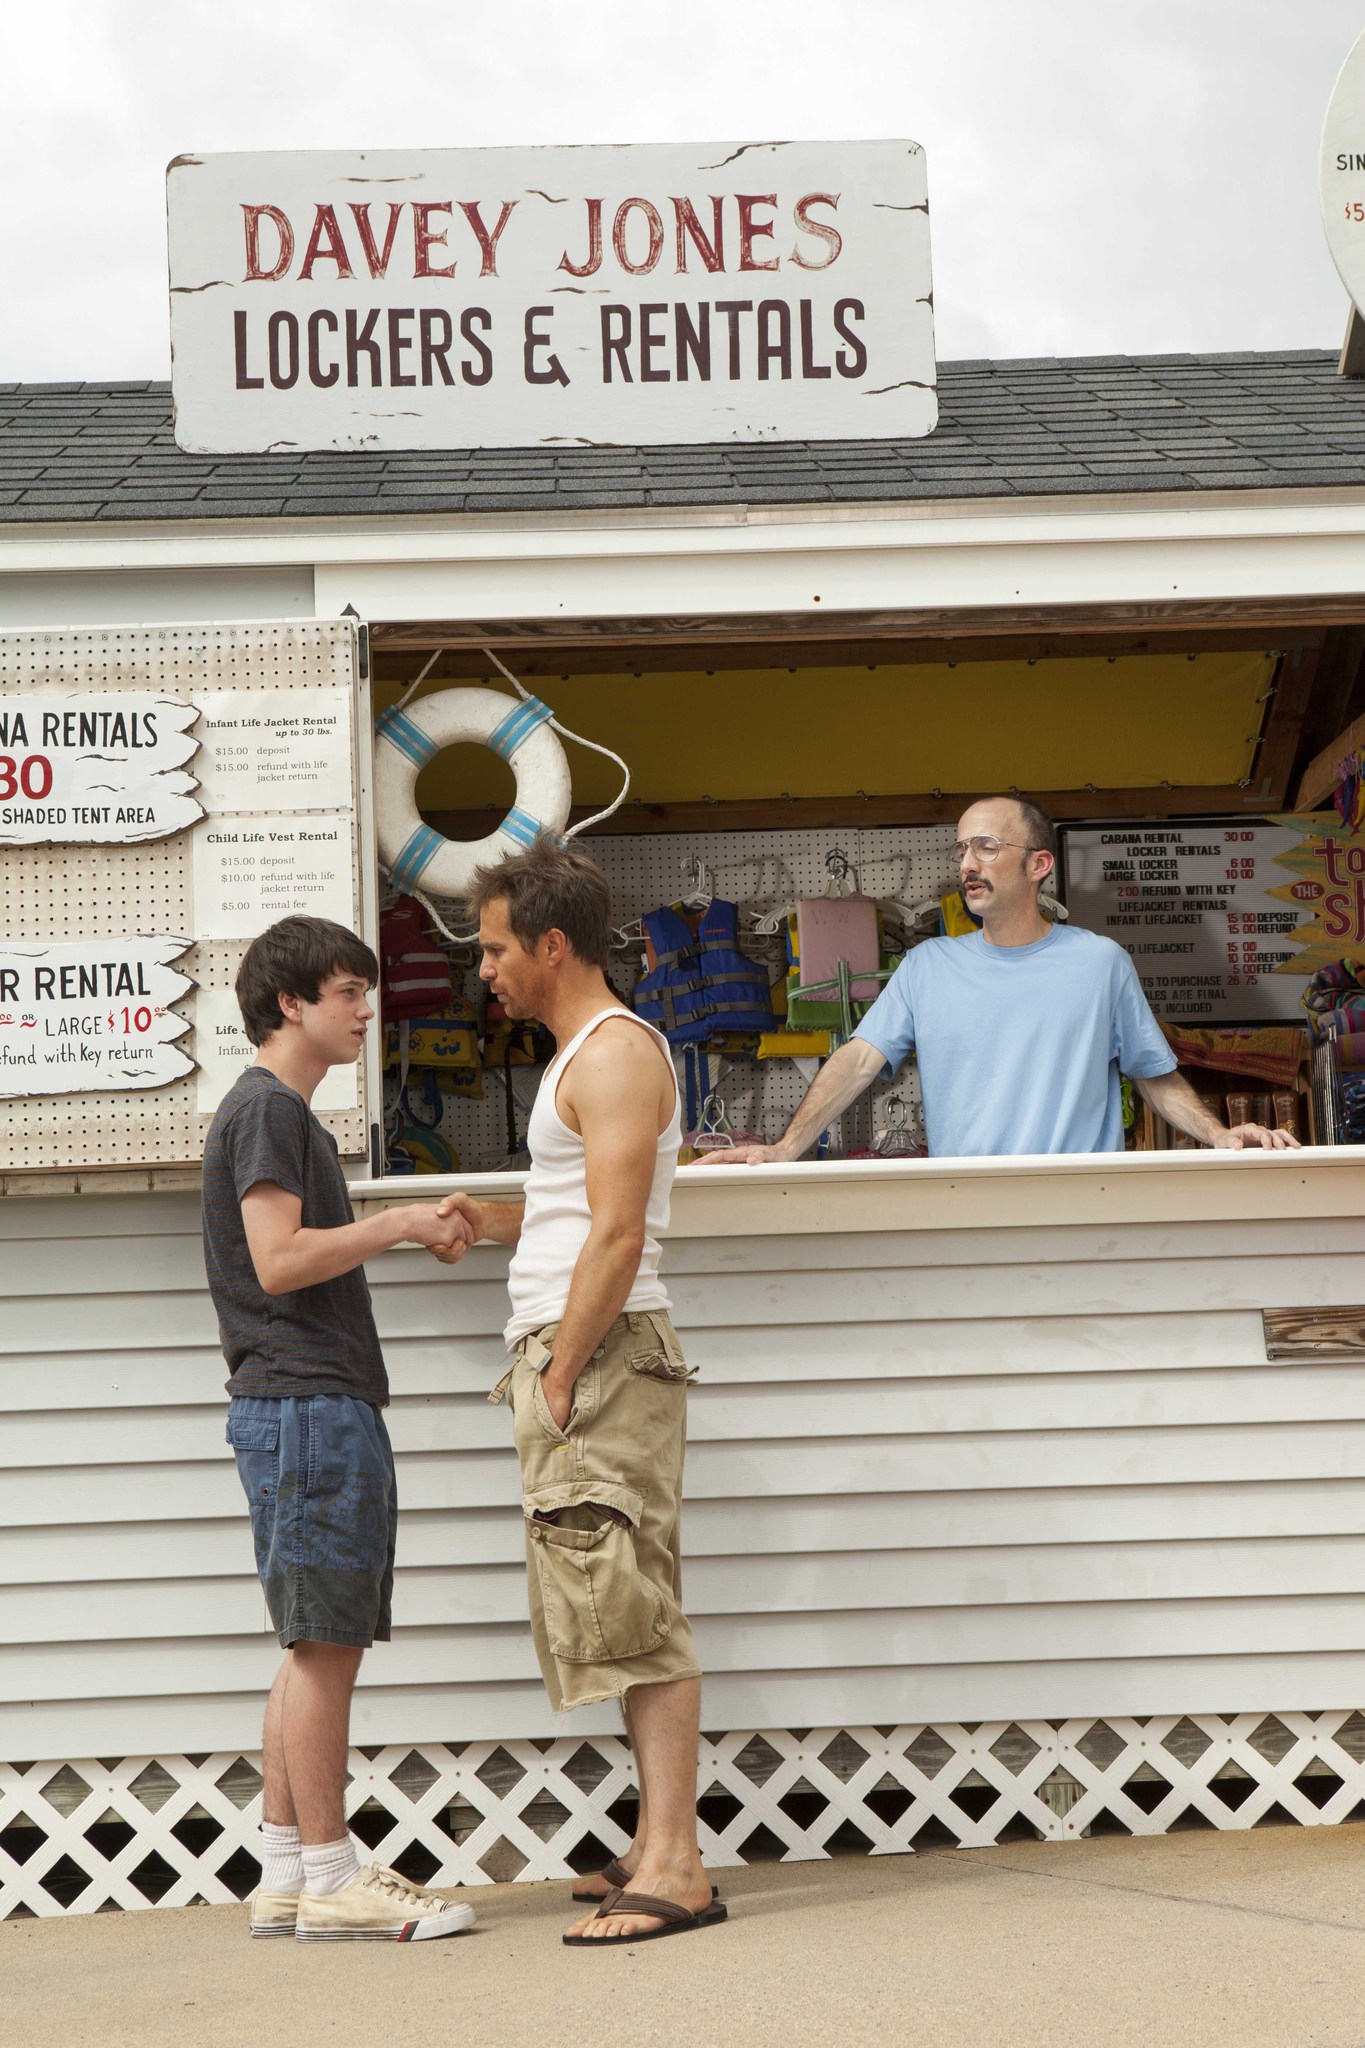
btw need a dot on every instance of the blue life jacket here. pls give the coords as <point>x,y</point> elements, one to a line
<point>672,995</point>
<point>737,994</point>
<point>704,984</point>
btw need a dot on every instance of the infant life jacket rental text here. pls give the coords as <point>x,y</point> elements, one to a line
<point>699,986</point>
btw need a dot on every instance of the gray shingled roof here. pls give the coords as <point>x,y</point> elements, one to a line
<point>1006,429</point>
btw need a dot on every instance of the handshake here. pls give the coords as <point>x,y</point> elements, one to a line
<point>447,1228</point>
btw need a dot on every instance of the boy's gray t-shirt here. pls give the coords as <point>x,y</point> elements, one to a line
<point>317,1340</point>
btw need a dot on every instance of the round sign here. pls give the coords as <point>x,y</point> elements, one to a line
<point>1342,174</point>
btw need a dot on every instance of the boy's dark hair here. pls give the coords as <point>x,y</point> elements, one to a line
<point>294,958</point>
<point>551,888</point>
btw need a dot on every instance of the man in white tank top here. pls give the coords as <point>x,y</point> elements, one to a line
<point>597,1382</point>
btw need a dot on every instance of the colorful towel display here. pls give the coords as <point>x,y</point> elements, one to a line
<point>1335,999</point>
<point>1330,983</point>
<point>1353,1107</point>
<point>1350,796</point>
<point>1272,1053</point>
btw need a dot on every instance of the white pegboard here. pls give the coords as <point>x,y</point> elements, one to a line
<point>69,892</point>
<point>759,871</point>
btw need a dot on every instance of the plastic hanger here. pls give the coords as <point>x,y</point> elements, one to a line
<point>894,1139</point>
<point>700,888</point>
<point>839,869</point>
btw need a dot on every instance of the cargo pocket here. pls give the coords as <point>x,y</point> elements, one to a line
<point>597,1604</point>
<point>658,1355</point>
<point>657,1365</point>
<point>255,1441</point>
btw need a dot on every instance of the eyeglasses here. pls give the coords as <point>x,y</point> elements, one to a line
<point>985,848</point>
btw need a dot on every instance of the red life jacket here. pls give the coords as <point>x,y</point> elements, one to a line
<point>416,973</point>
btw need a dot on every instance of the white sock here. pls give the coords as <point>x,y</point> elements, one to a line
<point>281,1862</point>
<point>329,1866</point>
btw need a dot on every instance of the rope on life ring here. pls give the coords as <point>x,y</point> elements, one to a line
<point>522,734</point>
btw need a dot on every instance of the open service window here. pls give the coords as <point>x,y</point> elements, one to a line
<point>166,792</point>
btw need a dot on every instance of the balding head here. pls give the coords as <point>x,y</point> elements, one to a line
<point>1013,819</point>
<point>999,885</point>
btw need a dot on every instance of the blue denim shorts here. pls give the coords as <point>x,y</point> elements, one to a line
<point>318,1475</point>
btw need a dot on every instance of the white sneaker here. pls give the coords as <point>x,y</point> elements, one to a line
<point>274,1913</point>
<point>379,1905</point>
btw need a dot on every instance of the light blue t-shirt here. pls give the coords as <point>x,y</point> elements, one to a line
<point>1020,1048</point>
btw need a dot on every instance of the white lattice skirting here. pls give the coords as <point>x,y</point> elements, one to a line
<point>84,1837</point>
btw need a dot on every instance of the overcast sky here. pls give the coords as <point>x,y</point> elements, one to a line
<point>1101,180</point>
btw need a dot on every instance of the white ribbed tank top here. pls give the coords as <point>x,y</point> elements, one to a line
<point>557,1219</point>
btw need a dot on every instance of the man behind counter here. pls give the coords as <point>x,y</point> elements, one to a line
<point>1021,1030</point>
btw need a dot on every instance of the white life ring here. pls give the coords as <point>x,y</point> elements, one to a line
<point>517,730</point>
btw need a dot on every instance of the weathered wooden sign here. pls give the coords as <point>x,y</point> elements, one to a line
<point>86,1016</point>
<point>513,297</point>
<point>86,767</point>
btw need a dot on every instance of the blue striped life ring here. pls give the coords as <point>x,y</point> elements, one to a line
<point>414,854</point>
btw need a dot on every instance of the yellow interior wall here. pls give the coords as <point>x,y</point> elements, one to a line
<point>897,729</point>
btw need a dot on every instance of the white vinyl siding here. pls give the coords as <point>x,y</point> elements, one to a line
<point>941,1474</point>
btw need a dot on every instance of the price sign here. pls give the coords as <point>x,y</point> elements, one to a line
<point>289,748</point>
<point>249,871</point>
<point>91,1015</point>
<point>1200,909</point>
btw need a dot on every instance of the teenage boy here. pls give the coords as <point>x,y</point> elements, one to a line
<point>597,1383</point>
<point>283,1252</point>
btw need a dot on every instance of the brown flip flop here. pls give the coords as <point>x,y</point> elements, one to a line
<point>618,1877</point>
<point>676,1919</point>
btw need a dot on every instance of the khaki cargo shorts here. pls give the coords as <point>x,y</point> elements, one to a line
<point>602,1500</point>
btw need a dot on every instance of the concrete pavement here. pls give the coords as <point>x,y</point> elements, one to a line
<point>1194,1940</point>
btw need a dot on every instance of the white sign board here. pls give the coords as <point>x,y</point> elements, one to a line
<point>288,747</point>
<point>567,297</point>
<point>79,1016</point>
<point>1341,176</point>
<point>1192,904</point>
<point>86,767</point>
<point>224,1051</point>
<point>262,722</point>
<point>251,871</point>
